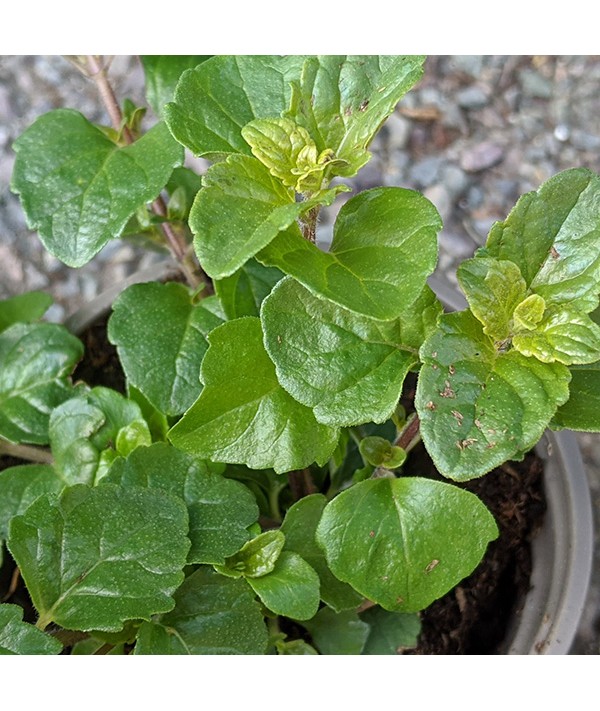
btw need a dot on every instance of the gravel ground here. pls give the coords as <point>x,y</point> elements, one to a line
<point>477,132</point>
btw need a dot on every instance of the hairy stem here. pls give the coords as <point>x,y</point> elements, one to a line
<point>176,245</point>
<point>28,452</point>
<point>309,224</point>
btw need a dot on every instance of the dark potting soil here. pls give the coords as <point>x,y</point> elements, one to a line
<point>470,619</point>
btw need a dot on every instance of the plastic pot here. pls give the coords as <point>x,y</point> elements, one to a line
<point>547,620</point>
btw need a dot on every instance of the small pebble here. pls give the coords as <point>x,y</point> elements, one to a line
<point>481,156</point>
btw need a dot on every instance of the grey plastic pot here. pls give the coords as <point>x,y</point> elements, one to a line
<point>547,620</point>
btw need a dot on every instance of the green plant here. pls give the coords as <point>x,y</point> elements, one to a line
<point>249,484</point>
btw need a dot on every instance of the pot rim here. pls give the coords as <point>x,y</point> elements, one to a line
<point>562,550</point>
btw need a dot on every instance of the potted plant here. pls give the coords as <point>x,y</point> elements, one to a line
<point>259,486</point>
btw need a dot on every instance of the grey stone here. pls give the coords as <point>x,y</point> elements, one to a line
<point>481,156</point>
<point>534,84</point>
<point>455,180</point>
<point>397,129</point>
<point>585,141</point>
<point>562,132</point>
<point>468,63</point>
<point>441,198</point>
<point>424,172</point>
<point>473,97</point>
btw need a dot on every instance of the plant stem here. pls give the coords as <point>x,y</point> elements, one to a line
<point>177,246</point>
<point>26,452</point>
<point>301,483</point>
<point>410,435</point>
<point>309,224</point>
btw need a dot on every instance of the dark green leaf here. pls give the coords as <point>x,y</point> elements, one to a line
<point>18,637</point>
<point>240,209</point>
<point>162,73</point>
<point>582,410</point>
<point>100,556</point>
<point>20,486</point>
<point>242,293</point>
<point>403,543</point>
<point>79,189</point>
<point>160,334</point>
<point>478,404</point>
<point>553,236</point>
<point>390,632</point>
<point>23,308</point>
<point>220,510</point>
<point>384,247</point>
<point>35,363</point>
<point>299,527</point>
<point>337,632</point>
<point>214,101</point>
<point>294,646</point>
<point>213,615</point>
<point>348,367</point>
<point>243,415</point>
<point>290,589</point>
<point>90,430</point>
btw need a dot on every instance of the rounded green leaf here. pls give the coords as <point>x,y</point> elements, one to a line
<point>20,486</point>
<point>23,308</point>
<point>349,368</point>
<point>212,615</point>
<point>403,543</point>
<point>529,312</point>
<point>256,557</point>
<point>90,430</point>
<point>36,361</point>
<point>160,335</point>
<point>390,632</point>
<point>290,589</point>
<point>299,526</point>
<point>79,189</point>
<point>380,452</point>
<point>220,509</point>
<point>553,236</point>
<point>478,404</point>
<point>581,412</point>
<point>99,556</point>
<point>18,637</point>
<point>337,632</point>
<point>162,72</point>
<point>242,293</point>
<point>384,247</point>
<point>243,415</point>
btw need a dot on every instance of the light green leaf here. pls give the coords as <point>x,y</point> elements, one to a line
<point>90,430</point>
<point>18,637</point>
<point>564,335</point>
<point>494,288</point>
<point>36,361</point>
<point>290,154</point>
<point>390,632</point>
<point>256,557</point>
<point>299,526</point>
<point>478,405</point>
<point>384,247</point>
<point>79,189</point>
<point>529,313</point>
<point>20,486</point>
<point>403,543</point>
<point>100,556</point>
<point>581,412</point>
<point>23,308</point>
<point>162,72</point>
<point>160,335</point>
<point>214,101</point>
<point>213,615</point>
<point>243,415</point>
<point>553,236</point>
<point>337,633</point>
<point>240,209</point>
<point>242,293</point>
<point>220,510</point>
<point>157,421</point>
<point>295,646</point>
<point>290,589</point>
<point>380,452</point>
<point>348,367</point>
<point>343,100</point>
